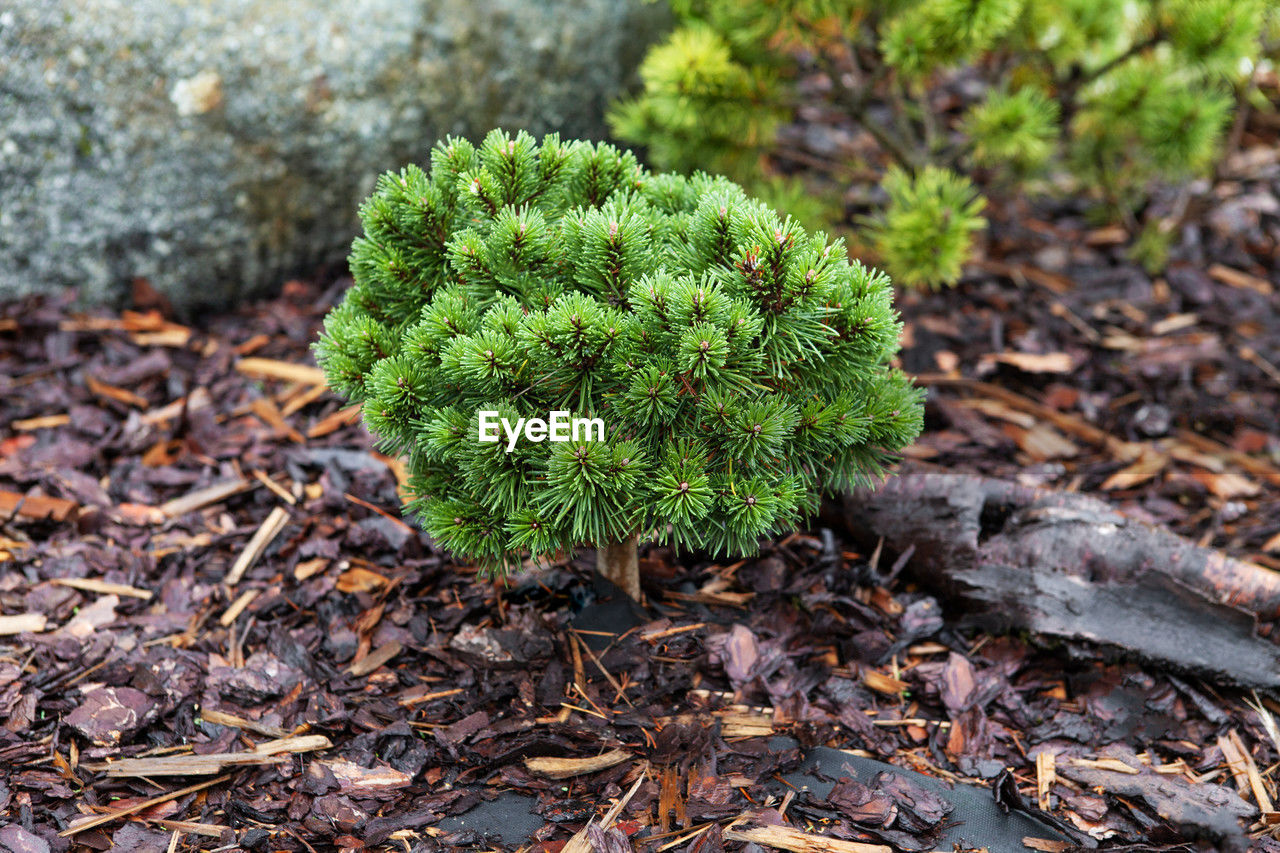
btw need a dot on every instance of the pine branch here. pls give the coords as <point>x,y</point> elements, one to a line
<point>856,105</point>
<point>1070,90</point>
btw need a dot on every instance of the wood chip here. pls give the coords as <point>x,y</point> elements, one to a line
<point>1113,764</point>
<point>1185,453</point>
<point>270,368</point>
<point>208,830</point>
<point>360,579</point>
<point>1042,442</point>
<point>309,568</point>
<point>1260,795</point>
<point>1272,545</point>
<point>270,528</point>
<point>1255,358</point>
<point>399,470</point>
<point>176,338</point>
<point>1235,763</point>
<point>668,795</point>
<point>1000,410</point>
<point>1069,424</point>
<point>1045,777</point>
<point>375,659</point>
<point>1240,279</point>
<point>579,843</point>
<point>1030,362</point>
<point>36,506</point>
<point>1227,485</point>
<point>201,498</point>
<point>90,823</point>
<point>301,401</point>
<point>1174,323</point>
<point>276,489</point>
<point>654,636</point>
<point>22,623</point>
<point>205,765</point>
<point>428,697</point>
<point>237,607</point>
<point>1108,235</point>
<point>197,399</point>
<point>1257,466</point>
<point>137,515</point>
<point>266,410</point>
<point>103,587</point>
<point>1150,463</point>
<point>566,768</point>
<point>1053,282</point>
<point>359,781</point>
<point>787,838</point>
<point>44,422</point>
<point>334,422</point>
<point>120,395</point>
<point>254,344</point>
<point>882,683</point>
<point>749,724</point>
<point>222,718</point>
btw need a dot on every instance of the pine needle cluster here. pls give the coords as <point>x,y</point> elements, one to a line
<point>1105,98</point>
<point>739,363</point>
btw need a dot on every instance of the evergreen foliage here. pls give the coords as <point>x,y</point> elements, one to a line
<point>739,363</point>
<point>1002,94</point>
<point>928,225</point>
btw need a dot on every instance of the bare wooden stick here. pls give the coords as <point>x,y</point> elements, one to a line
<point>216,762</point>
<point>654,636</point>
<point>222,718</point>
<point>375,659</point>
<point>104,587</point>
<point>201,498</point>
<point>1256,785</point>
<point>209,830</point>
<point>579,842</point>
<point>197,399</point>
<point>428,697</point>
<point>270,528</point>
<point>237,607</point>
<point>566,768</point>
<point>798,841</point>
<point>92,822</point>
<point>277,489</point>
<point>21,623</point>
<point>270,368</point>
<point>42,422</point>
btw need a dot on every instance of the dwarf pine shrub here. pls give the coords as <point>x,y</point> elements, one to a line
<point>739,364</point>
<point>1102,98</point>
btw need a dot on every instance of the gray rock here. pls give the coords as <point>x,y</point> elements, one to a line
<point>215,147</point>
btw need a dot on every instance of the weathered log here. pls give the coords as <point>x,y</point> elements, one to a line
<point>1069,565</point>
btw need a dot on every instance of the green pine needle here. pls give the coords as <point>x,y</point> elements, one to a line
<point>737,363</point>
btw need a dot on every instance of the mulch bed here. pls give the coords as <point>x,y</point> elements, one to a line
<point>205,570</point>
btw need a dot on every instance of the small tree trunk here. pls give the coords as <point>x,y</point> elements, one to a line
<point>620,563</point>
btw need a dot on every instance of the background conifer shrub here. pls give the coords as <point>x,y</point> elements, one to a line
<point>1101,98</point>
<point>739,363</point>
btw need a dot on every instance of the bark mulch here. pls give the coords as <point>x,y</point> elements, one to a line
<point>216,631</point>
